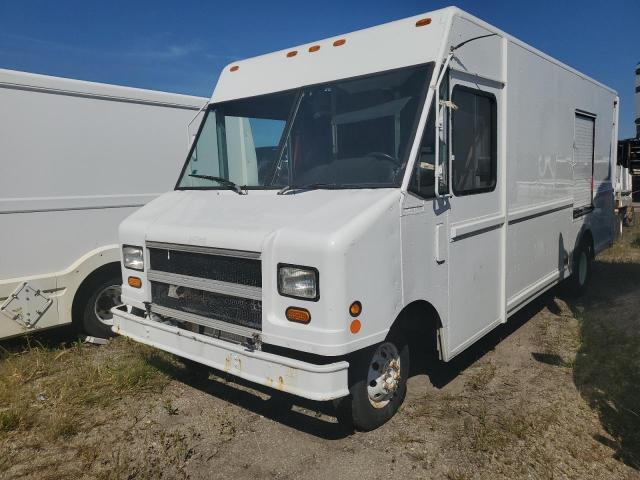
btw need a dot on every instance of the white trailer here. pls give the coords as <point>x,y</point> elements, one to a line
<point>408,186</point>
<point>77,158</point>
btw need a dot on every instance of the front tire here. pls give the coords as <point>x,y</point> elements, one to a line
<point>100,295</point>
<point>378,384</point>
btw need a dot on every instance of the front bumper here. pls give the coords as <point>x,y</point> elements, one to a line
<point>308,380</point>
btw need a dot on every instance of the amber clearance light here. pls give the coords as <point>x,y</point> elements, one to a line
<point>423,22</point>
<point>355,309</point>
<point>298,315</point>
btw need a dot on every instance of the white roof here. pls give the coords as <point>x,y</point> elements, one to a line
<point>32,81</point>
<point>384,47</point>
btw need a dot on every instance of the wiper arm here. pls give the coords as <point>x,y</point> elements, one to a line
<point>309,186</point>
<point>222,181</point>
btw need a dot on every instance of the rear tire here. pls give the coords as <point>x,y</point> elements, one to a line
<point>100,294</point>
<point>581,268</point>
<point>378,384</point>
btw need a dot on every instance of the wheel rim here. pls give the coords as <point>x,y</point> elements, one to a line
<point>582,268</point>
<point>108,298</point>
<point>383,378</point>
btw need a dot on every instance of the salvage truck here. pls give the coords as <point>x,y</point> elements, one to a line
<point>77,158</point>
<point>405,187</point>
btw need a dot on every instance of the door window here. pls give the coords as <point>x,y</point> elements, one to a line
<point>474,141</point>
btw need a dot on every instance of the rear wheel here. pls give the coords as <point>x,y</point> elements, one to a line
<point>581,268</point>
<point>378,377</point>
<point>100,295</point>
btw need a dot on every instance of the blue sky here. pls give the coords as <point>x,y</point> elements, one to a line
<point>181,46</point>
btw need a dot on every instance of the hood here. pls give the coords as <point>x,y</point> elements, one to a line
<point>224,219</point>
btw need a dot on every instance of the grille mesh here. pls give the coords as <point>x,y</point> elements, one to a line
<point>243,271</point>
<point>235,310</point>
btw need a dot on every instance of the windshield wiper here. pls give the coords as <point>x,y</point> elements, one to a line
<point>310,186</point>
<point>222,181</point>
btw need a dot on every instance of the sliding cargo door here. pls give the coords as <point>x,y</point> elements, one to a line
<point>475,216</point>
<point>583,154</point>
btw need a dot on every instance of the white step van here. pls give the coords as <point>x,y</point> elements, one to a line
<point>409,185</point>
<point>77,158</point>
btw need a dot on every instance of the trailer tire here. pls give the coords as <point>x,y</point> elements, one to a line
<point>581,268</point>
<point>378,384</point>
<point>99,294</point>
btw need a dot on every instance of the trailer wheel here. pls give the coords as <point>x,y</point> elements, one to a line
<point>100,295</point>
<point>378,377</point>
<point>581,271</point>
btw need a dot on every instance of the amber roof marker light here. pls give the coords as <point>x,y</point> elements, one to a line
<point>292,53</point>
<point>339,43</point>
<point>234,68</point>
<point>314,48</point>
<point>423,22</point>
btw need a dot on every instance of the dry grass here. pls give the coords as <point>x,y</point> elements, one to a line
<point>607,366</point>
<point>52,391</point>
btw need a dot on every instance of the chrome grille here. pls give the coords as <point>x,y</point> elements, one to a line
<point>213,288</point>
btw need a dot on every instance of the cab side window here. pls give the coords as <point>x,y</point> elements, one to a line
<point>474,141</point>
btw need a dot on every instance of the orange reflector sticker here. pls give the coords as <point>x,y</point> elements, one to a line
<point>299,315</point>
<point>422,22</point>
<point>340,42</point>
<point>314,48</point>
<point>134,282</point>
<point>234,68</point>
<point>292,53</point>
<point>355,326</point>
<point>355,309</point>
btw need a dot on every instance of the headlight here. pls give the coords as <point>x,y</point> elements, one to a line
<point>132,257</point>
<point>298,282</point>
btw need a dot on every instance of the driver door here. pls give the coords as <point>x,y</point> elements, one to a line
<point>475,215</point>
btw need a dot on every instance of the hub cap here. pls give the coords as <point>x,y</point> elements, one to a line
<point>383,378</point>
<point>105,301</point>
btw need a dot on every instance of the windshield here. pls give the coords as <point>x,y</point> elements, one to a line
<point>348,133</point>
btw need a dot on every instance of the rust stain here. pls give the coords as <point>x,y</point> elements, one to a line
<point>280,385</point>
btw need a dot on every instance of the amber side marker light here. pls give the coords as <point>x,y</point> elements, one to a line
<point>314,48</point>
<point>298,315</point>
<point>355,326</point>
<point>292,53</point>
<point>234,68</point>
<point>423,22</point>
<point>134,282</point>
<point>339,43</point>
<point>355,309</point>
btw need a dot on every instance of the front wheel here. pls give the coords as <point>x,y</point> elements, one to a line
<point>101,294</point>
<point>378,378</point>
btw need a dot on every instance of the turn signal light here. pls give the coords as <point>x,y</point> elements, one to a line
<point>355,309</point>
<point>298,315</point>
<point>134,282</point>
<point>355,326</point>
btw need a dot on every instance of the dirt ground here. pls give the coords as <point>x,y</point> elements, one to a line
<point>555,393</point>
